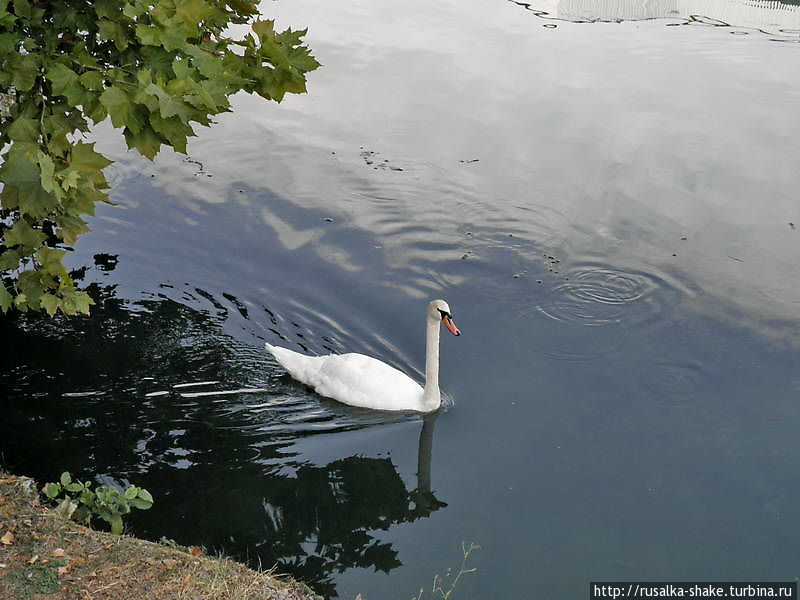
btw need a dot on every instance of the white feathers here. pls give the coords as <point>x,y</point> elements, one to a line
<point>363,381</point>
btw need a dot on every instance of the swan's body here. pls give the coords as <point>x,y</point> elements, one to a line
<point>360,380</point>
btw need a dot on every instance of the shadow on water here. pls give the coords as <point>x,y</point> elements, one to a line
<point>227,449</point>
<point>778,19</point>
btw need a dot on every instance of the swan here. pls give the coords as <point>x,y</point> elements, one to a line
<point>360,380</point>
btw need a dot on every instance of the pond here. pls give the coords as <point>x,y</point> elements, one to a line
<point>607,196</point>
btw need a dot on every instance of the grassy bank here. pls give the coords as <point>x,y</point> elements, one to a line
<point>43,556</point>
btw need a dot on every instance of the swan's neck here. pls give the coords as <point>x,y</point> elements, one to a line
<point>431,397</point>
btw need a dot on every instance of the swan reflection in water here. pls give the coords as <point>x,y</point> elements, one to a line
<point>323,520</point>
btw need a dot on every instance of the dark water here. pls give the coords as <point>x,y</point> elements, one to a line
<point>611,210</point>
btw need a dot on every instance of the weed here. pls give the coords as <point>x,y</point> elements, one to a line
<point>82,503</point>
<point>39,578</point>
<point>444,586</point>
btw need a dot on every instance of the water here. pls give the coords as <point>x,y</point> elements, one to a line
<point>609,208</point>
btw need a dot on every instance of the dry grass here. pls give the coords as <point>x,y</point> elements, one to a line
<point>44,557</point>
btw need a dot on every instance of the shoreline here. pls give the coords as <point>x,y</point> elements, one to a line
<point>44,555</point>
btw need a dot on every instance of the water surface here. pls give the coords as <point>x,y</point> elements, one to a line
<point>609,208</point>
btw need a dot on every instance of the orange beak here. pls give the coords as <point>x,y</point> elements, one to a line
<point>450,324</point>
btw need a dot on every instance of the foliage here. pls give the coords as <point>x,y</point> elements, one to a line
<point>82,503</point>
<point>444,587</point>
<point>153,67</point>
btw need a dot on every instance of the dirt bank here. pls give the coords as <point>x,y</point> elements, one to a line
<point>43,556</point>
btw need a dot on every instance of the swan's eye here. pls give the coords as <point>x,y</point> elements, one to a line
<point>444,313</point>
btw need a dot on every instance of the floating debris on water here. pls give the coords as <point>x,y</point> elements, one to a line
<point>551,261</point>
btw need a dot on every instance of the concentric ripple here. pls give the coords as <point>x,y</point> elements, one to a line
<point>563,341</point>
<point>595,297</point>
<point>588,313</point>
<point>669,383</point>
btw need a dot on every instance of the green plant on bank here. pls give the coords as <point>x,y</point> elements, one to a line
<point>154,67</point>
<point>444,586</point>
<point>39,577</point>
<point>82,503</point>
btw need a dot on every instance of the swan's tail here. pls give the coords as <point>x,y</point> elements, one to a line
<point>278,352</point>
<point>301,367</point>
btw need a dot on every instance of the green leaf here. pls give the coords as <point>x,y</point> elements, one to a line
<point>21,173</point>
<point>131,492</point>
<point>149,35</point>
<point>145,141</point>
<point>193,11</point>
<point>75,486</point>
<point>22,8</point>
<point>69,178</point>
<point>302,60</point>
<point>24,129</point>
<point>9,260</point>
<point>91,80</point>
<point>6,300</point>
<point>21,302</point>
<point>107,9</point>
<point>48,168</point>
<point>119,107</point>
<point>264,28</point>
<point>8,43</point>
<point>112,31</point>
<point>168,106</point>
<point>22,234</point>
<point>132,11</point>
<point>71,227</point>
<point>141,504</point>
<point>86,160</point>
<point>50,260</point>
<point>51,490</point>
<point>94,110</point>
<point>65,83</point>
<point>51,303</point>
<point>77,303</point>
<point>174,130</point>
<point>66,478</point>
<point>24,72</point>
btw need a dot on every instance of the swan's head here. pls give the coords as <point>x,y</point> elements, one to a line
<point>439,310</point>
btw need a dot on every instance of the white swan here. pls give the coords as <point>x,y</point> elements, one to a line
<point>360,380</point>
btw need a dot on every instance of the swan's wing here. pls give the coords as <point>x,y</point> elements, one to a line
<point>354,379</point>
<point>361,380</point>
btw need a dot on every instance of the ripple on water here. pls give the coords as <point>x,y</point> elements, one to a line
<point>543,227</point>
<point>595,295</point>
<point>669,383</point>
<point>565,341</point>
<point>589,312</point>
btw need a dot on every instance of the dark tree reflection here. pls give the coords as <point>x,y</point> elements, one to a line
<point>78,395</point>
